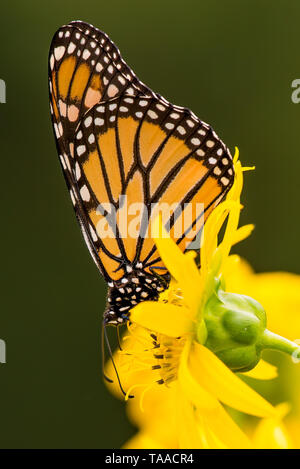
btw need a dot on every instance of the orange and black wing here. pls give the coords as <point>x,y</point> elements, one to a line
<point>154,154</point>
<point>85,67</point>
<point>117,138</point>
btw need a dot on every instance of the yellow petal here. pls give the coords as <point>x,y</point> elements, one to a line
<point>242,233</point>
<point>168,319</point>
<point>182,267</point>
<point>191,388</point>
<point>263,370</point>
<point>188,436</point>
<point>222,383</point>
<point>214,416</point>
<point>271,433</point>
<point>226,431</point>
<point>170,253</point>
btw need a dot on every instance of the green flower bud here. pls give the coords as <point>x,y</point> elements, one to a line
<point>236,330</point>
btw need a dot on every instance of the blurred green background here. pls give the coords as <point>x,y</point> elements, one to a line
<point>232,62</point>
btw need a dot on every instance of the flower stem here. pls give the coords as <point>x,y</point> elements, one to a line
<point>273,341</point>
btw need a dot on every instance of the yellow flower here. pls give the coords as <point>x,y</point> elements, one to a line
<point>176,342</point>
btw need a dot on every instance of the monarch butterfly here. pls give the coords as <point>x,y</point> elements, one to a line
<point>115,137</point>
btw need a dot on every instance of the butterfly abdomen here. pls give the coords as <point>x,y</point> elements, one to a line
<point>130,290</point>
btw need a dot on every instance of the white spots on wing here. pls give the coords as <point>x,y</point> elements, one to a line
<point>67,34</point>
<point>106,59</point>
<point>220,152</point>
<point>80,150</point>
<point>110,69</point>
<point>217,171</point>
<point>112,106</point>
<point>83,41</point>
<point>71,47</point>
<point>210,143</point>
<point>190,123</point>
<point>79,135</point>
<point>143,103</point>
<point>88,121</point>
<point>85,194</point>
<point>52,62</point>
<point>121,80</point>
<point>99,121</point>
<point>123,109</point>
<point>181,130</point>
<point>93,44</point>
<point>112,91</point>
<point>152,114</point>
<point>86,53</point>
<point>101,109</point>
<point>200,152</point>
<point>97,51</point>
<point>160,107</point>
<point>139,114</point>
<point>201,132</point>
<point>130,91</point>
<point>91,139</point>
<point>59,52</point>
<point>105,81</point>
<point>128,100</point>
<point>174,115</point>
<point>170,125</point>
<point>77,171</point>
<point>93,233</point>
<point>195,141</point>
<point>72,197</point>
<point>99,67</point>
<point>212,160</point>
<point>63,162</point>
<point>225,181</point>
<point>58,130</point>
<point>112,118</point>
<point>225,161</point>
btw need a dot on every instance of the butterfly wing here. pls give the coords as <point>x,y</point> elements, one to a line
<point>84,68</point>
<point>118,138</point>
<point>154,154</point>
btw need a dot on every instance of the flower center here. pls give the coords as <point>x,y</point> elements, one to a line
<point>167,353</point>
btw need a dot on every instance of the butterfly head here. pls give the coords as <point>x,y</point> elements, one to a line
<point>134,287</point>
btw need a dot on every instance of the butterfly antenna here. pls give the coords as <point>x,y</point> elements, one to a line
<point>103,355</point>
<point>118,338</point>
<point>112,359</point>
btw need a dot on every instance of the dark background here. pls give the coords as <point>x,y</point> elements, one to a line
<point>232,62</point>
